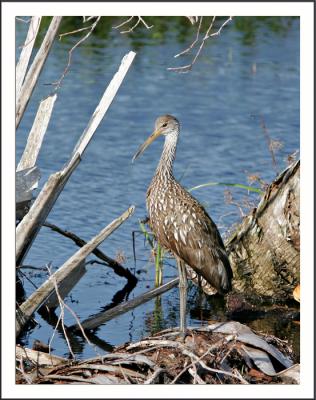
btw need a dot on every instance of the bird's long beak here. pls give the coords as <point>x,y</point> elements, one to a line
<point>147,142</point>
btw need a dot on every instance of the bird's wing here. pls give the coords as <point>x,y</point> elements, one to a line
<point>196,240</point>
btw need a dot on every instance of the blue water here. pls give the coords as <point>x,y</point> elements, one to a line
<point>221,104</point>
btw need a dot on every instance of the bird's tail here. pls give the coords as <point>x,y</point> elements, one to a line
<point>220,275</point>
<point>199,281</point>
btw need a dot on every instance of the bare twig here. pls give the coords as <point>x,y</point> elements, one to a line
<point>139,20</point>
<point>269,142</point>
<point>61,316</point>
<point>25,21</point>
<point>187,68</point>
<point>76,31</point>
<point>193,20</point>
<point>21,369</point>
<point>123,23</point>
<point>57,84</point>
<point>154,376</point>
<point>193,43</point>
<point>62,306</point>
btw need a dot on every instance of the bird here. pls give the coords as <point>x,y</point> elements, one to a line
<point>181,224</point>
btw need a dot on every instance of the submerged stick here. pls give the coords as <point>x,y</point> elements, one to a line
<point>35,70</point>
<point>98,319</point>
<point>38,297</point>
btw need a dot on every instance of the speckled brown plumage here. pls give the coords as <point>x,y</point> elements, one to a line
<point>180,223</point>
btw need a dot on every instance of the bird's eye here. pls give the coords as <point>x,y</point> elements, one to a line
<point>165,124</point>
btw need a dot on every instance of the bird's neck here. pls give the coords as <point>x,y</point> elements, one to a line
<point>165,166</point>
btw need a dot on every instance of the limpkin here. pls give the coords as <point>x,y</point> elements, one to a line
<point>181,224</point>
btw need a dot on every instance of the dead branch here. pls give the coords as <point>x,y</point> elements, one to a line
<point>193,43</point>
<point>193,20</point>
<point>62,306</point>
<point>164,359</point>
<point>38,358</point>
<point>26,54</point>
<point>117,267</point>
<point>57,84</point>
<point>139,20</point>
<point>35,69</point>
<point>36,135</point>
<point>38,297</point>
<point>32,222</point>
<point>187,68</point>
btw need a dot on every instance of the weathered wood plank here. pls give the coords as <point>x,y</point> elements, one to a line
<point>96,320</point>
<point>35,69</point>
<point>36,135</point>
<point>28,228</point>
<point>25,55</point>
<point>37,298</point>
<point>105,103</point>
<point>66,286</point>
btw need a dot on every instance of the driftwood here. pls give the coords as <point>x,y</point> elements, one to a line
<point>39,358</point>
<point>36,135</point>
<point>27,163</point>
<point>264,250</point>
<point>218,353</point>
<point>32,222</point>
<point>26,54</point>
<point>35,70</point>
<point>96,320</point>
<point>66,285</point>
<point>43,293</point>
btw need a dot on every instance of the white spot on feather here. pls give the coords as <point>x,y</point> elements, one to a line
<point>182,235</point>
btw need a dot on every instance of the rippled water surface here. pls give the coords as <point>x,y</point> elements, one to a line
<point>238,92</point>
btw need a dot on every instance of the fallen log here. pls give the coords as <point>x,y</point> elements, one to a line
<point>264,249</point>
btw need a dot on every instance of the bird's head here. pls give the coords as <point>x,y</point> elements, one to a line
<point>164,126</point>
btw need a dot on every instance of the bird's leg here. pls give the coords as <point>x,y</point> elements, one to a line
<point>183,295</point>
